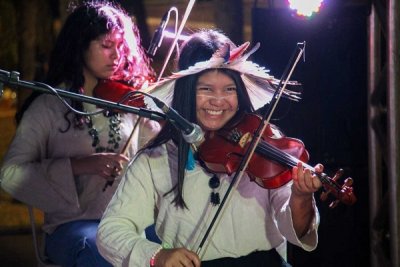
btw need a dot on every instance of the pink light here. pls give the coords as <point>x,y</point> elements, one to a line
<point>305,7</point>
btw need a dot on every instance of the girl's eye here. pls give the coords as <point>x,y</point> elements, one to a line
<point>203,89</point>
<point>231,89</point>
<point>111,45</point>
<point>107,44</point>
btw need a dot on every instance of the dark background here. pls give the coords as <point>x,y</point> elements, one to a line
<point>331,118</point>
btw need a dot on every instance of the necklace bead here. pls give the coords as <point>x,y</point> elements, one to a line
<point>214,183</point>
<point>114,133</point>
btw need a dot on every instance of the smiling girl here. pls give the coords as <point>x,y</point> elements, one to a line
<point>167,184</point>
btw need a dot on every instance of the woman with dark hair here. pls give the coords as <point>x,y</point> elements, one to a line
<point>68,161</point>
<point>168,184</point>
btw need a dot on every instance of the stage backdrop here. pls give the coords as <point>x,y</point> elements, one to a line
<point>331,118</point>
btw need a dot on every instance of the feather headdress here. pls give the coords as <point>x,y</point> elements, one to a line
<point>259,84</point>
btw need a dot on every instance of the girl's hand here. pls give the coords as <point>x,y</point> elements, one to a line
<point>304,182</point>
<point>304,185</point>
<point>177,257</point>
<point>107,165</point>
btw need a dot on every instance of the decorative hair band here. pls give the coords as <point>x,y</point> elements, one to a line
<point>259,84</point>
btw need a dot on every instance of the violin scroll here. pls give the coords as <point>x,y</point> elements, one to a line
<point>342,193</point>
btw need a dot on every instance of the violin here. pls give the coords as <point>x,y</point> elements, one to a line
<point>119,92</point>
<point>270,165</point>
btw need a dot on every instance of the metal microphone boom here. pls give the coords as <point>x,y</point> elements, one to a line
<point>12,79</point>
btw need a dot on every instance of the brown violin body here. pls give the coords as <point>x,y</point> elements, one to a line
<point>119,92</point>
<point>270,166</point>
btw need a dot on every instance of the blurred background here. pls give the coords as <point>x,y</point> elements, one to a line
<point>342,117</point>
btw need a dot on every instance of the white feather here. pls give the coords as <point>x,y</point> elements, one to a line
<point>259,83</point>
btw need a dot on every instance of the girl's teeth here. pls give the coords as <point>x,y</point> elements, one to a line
<point>214,112</point>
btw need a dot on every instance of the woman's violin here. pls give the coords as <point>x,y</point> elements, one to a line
<point>270,165</point>
<point>119,92</point>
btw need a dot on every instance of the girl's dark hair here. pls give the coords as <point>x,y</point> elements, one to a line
<point>87,22</point>
<point>200,47</point>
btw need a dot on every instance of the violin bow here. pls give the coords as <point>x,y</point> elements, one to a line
<point>300,47</point>
<point>125,149</point>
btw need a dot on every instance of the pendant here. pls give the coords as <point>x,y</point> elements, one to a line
<point>214,184</point>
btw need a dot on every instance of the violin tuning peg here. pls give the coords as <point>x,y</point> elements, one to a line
<point>338,174</point>
<point>333,204</point>
<point>324,196</point>
<point>348,182</point>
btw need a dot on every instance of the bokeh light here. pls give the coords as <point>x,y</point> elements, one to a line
<point>305,8</point>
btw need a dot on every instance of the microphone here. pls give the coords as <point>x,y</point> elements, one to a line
<point>155,42</point>
<point>192,133</point>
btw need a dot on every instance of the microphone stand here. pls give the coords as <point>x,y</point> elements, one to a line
<point>174,42</point>
<point>12,79</point>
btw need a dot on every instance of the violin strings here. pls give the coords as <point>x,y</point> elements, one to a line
<point>291,161</point>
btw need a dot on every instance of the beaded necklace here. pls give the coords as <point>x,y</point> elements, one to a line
<point>214,183</point>
<point>114,133</point>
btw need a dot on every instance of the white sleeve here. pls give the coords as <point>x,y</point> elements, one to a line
<point>28,173</point>
<point>283,214</point>
<point>130,211</point>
